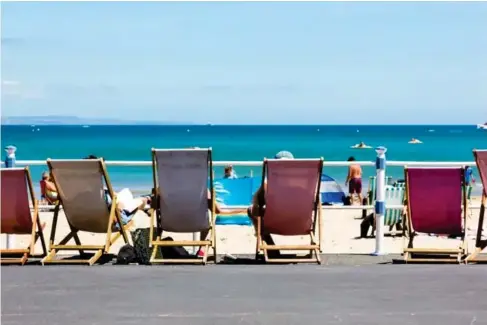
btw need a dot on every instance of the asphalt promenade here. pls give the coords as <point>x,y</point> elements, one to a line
<point>346,293</point>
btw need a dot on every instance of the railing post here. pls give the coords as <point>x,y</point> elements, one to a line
<point>10,163</point>
<point>380,166</point>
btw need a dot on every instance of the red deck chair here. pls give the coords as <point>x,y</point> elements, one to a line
<point>436,203</point>
<point>480,244</point>
<point>16,216</point>
<point>292,206</point>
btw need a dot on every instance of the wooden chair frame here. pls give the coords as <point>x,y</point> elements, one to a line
<point>10,256</point>
<point>99,250</point>
<point>480,245</point>
<point>156,219</point>
<point>315,241</point>
<point>438,255</point>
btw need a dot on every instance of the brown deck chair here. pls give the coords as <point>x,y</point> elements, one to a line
<point>292,206</point>
<point>81,193</point>
<point>436,204</point>
<point>480,244</point>
<point>181,187</point>
<point>16,216</point>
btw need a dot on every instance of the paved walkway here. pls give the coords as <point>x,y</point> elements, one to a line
<point>245,294</point>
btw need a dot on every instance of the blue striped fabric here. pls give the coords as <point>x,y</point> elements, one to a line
<point>330,191</point>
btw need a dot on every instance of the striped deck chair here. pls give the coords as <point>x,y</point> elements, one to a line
<point>436,204</point>
<point>181,187</point>
<point>16,217</point>
<point>394,196</point>
<point>371,191</point>
<point>81,191</point>
<point>292,206</point>
<point>480,244</point>
<point>393,216</point>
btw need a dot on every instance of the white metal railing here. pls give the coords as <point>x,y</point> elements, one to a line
<point>135,163</point>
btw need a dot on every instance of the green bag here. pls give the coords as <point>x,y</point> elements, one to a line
<point>141,238</point>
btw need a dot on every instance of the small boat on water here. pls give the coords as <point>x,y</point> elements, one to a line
<point>360,145</point>
<point>415,141</point>
<point>482,126</point>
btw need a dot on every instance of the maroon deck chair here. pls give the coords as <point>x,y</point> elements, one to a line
<point>480,244</point>
<point>16,216</point>
<point>436,204</point>
<point>292,206</point>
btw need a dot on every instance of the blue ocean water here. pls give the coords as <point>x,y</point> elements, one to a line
<point>134,142</point>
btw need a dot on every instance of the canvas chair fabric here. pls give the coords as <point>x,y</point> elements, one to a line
<point>436,204</point>
<point>394,196</point>
<point>481,159</point>
<point>291,196</point>
<point>182,181</point>
<point>80,185</point>
<point>292,208</point>
<point>16,215</point>
<point>480,243</point>
<point>435,200</point>
<point>81,190</point>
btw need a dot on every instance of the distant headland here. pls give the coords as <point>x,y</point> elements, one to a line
<point>75,120</point>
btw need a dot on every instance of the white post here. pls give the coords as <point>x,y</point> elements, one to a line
<point>10,163</point>
<point>380,166</point>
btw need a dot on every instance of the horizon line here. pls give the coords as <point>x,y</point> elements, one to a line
<point>222,124</point>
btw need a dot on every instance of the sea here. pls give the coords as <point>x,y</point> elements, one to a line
<point>242,143</point>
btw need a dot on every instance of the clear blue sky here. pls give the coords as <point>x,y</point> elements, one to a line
<point>327,63</point>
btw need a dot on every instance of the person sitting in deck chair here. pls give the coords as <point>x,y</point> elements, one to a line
<point>48,189</point>
<point>258,200</point>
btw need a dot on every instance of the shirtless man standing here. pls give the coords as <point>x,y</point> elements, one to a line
<point>354,180</point>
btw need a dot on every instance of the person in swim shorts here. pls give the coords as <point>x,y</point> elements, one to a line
<point>354,180</point>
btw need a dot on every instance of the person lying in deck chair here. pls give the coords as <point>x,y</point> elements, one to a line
<point>126,204</point>
<point>258,201</point>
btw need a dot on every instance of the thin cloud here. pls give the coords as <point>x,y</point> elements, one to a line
<point>11,41</point>
<point>10,83</point>
<point>14,89</point>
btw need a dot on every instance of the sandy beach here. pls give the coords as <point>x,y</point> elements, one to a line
<point>340,232</point>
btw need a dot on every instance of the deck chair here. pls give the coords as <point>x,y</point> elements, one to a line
<point>81,191</point>
<point>436,204</point>
<point>16,216</point>
<point>181,200</point>
<point>480,244</point>
<point>393,216</point>
<point>292,206</point>
<point>371,191</point>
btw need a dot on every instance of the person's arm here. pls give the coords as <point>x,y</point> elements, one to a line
<point>50,186</point>
<point>219,210</point>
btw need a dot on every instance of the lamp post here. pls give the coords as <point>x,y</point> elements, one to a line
<point>10,163</point>
<point>380,166</point>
